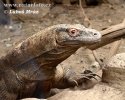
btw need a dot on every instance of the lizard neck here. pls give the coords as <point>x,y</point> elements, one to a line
<point>43,67</point>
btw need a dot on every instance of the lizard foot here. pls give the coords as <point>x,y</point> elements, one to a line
<point>89,75</point>
<point>75,79</point>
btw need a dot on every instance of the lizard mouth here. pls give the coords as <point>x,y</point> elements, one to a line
<point>78,43</point>
<point>97,40</point>
<point>93,42</point>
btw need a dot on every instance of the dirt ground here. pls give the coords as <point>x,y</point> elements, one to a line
<point>101,17</point>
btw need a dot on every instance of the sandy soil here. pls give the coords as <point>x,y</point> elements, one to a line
<point>99,92</point>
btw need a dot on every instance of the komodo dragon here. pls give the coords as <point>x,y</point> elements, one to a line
<point>35,59</point>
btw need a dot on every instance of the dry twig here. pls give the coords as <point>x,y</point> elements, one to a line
<point>96,57</point>
<point>114,48</point>
<point>115,33</point>
<point>86,19</point>
<point>115,45</point>
<point>114,28</point>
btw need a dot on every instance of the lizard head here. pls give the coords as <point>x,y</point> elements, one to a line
<point>76,34</point>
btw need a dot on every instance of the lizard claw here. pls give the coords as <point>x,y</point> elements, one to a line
<point>75,82</point>
<point>90,75</point>
<point>93,74</point>
<point>87,76</point>
<point>75,79</point>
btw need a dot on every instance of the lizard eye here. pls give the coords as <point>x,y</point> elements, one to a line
<point>73,32</point>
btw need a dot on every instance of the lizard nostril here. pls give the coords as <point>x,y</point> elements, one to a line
<point>87,72</point>
<point>95,34</point>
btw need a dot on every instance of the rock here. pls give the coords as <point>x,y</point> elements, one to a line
<point>117,61</point>
<point>8,45</point>
<point>99,92</point>
<point>5,40</point>
<point>33,99</point>
<point>114,73</point>
<point>116,1</point>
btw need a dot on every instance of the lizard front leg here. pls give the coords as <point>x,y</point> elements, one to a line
<point>71,79</point>
<point>75,79</point>
<point>4,94</point>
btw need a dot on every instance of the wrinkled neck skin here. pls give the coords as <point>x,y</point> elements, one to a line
<point>36,58</point>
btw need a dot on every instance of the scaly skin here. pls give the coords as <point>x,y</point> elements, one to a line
<point>34,60</point>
